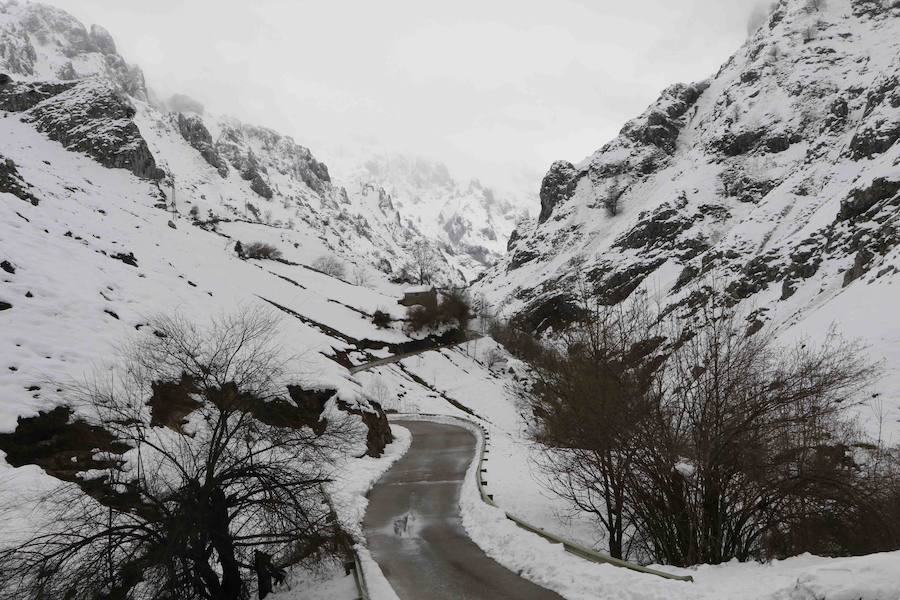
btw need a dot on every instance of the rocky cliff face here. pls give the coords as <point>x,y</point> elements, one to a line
<point>778,178</point>
<point>87,116</point>
<point>40,42</point>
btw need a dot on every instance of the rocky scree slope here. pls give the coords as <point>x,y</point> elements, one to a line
<point>73,84</point>
<point>778,178</point>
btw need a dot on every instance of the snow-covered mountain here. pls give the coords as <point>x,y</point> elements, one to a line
<point>225,168</point>
<point>471,221</point>
<point>778,178</point>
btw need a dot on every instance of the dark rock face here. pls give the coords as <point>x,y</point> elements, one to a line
<point>11,182</point>
<point>871,141</point>
<point>127,258</point>
<point>735,144</point>
<point>376,421</point>
<point>860,266</point>
<point>558,186</point>
<point>4,79</point>
<point>738,184</point>
<point>197,135</point>
<point>60,445</point>
<point>659,228</point>
<point>880,132</point>
<point>661,125</point>
<point>521,257</point>
<point>554,312</point>
<point>87,116</point>
<point>861,201</point>
<point>19,97</point>
<point>512,239</point>
<point>284,156</point>
<point>258,185</point>
<point>868,8</point>
<point>310,404</point>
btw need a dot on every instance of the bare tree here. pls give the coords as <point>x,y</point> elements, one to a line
<point>424,260</point>
<point>360,275</point>
<point>690,441</point>
<point>482,310</point>
<point>330,265</point>
<point>742,437</point>
<point>216,482</point>
<point>379,391</point>
<point>591,398</point>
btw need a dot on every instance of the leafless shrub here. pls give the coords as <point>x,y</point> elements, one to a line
<point>453,308</point>
<point>492,358</point>
<point>261,250</point>
<point>381,319</point>
<point>330,265</point>
<point>218,481</point>
<point>360,275</point>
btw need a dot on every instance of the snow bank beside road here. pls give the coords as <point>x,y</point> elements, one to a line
<point>807,577</point>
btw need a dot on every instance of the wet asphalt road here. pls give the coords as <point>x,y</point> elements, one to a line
<point>414,528</point>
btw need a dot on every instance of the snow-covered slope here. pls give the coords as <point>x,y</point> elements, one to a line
<point>225,168</point>
<point>778,178</point>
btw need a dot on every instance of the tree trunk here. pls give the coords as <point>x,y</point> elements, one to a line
<point>221,539</point>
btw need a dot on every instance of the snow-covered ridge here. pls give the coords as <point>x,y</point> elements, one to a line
<point>468,218</point>
<point>39,42</point>
<point>225,168</point>
<point>778,178</point>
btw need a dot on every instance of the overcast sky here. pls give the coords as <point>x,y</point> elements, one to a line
<point>491,87</point>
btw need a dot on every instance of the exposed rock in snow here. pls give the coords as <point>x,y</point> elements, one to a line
<point>194,131</point>
<point>778,177</point>
<point>40,42</point>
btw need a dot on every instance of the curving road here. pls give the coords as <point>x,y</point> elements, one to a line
<point>415,532</point>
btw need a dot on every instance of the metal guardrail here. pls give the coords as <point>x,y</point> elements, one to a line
<point>359,576</point>
<point>571,547</point>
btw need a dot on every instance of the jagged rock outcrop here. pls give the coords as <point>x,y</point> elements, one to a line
<point>287,157</point>
<point>558,186</point>
<point>86,116</point>
<point>11,182</point>
<point>35,26</point>
<point>194,131</point>
<point>661,125</point>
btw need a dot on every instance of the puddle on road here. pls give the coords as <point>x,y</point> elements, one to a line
<point>407,525</point>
